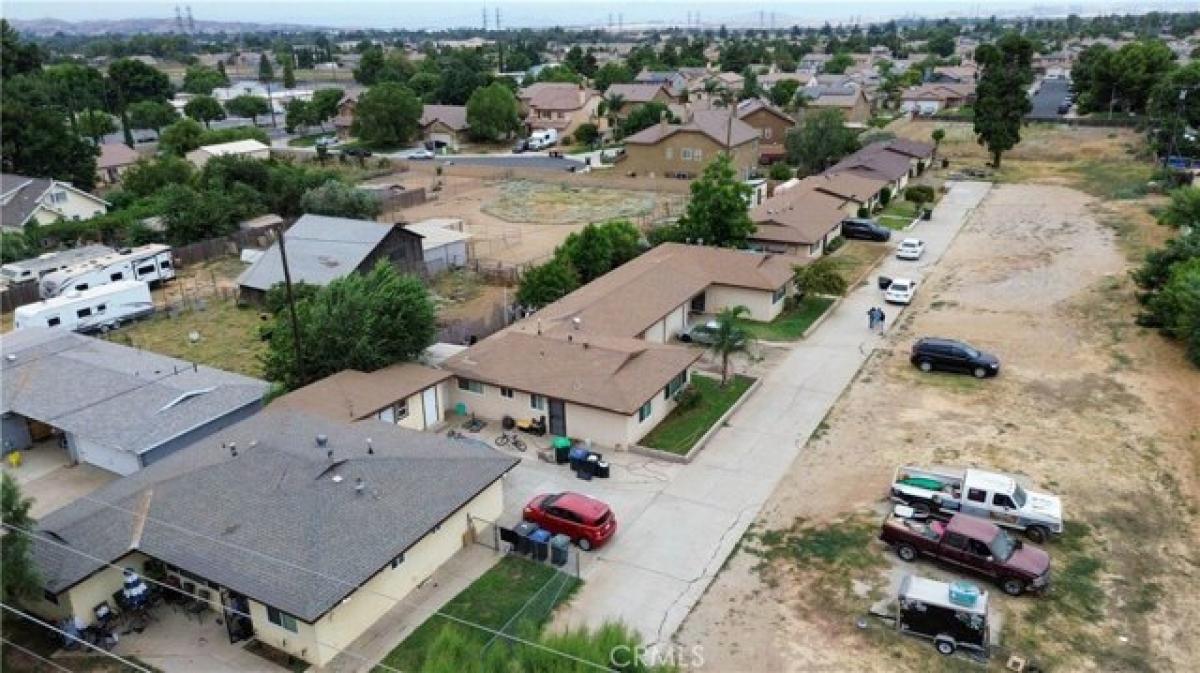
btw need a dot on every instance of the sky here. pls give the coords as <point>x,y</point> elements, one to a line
<point>540,13</point>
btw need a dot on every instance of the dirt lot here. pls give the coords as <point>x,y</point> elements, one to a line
<point>1088,405</point>
<point>518,222</point>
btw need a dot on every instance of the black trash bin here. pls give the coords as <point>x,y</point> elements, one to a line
<point>602,469</point>
<point>523,531</point>
<point>560,546</point>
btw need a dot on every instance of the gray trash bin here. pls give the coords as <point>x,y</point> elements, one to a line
<point>560,546</point>
<point>524,531</point>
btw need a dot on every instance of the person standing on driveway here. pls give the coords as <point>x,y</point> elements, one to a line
<point>880,317</point>
<point>872,318</point>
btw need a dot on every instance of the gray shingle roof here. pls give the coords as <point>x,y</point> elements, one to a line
<point>27,197</point>
<point>320,249</point>
<point>272,523</point>
<point>111,394</point>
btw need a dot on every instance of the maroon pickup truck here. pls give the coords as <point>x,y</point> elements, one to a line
<point>973,544</point>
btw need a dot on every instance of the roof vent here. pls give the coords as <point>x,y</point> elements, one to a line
<point>359,485</point>
<point>370,447</point>
<point>10,357</point>
<point>322,439</point>
<point>233,449</point>
<point>576,322</point>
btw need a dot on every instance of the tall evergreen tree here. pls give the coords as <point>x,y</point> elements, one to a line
<point>1001,98</point>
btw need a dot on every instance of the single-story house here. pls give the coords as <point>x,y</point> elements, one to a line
<point>114,160</point>
<point>683,150</point>
<point>637,94</point>
<point>928,99</point>
<point>799,221</point>
<point>443,125</point>
<point>847,190</point>
<point>675,81</point>
<point>44,201</point>
<point>321,249</point>
<point>849,99</point>
<point>893,161</point>
<point>112,406</point>
<point>406,394</point>
<point>771,123</point>
<point>308,529</point>
<point>444,244</point>
<point>561,106</point>
<point>250,149</point>
<point>599,363</point>
<point>343,121</point>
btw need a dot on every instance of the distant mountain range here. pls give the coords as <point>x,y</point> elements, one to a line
<point>48,26</point>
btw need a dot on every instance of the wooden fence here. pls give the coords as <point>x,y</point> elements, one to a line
<point>18,295</point>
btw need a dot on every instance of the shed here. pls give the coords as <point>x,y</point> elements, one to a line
<point>443,243</point>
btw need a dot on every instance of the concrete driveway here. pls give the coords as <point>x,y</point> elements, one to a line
<point>678,523</point>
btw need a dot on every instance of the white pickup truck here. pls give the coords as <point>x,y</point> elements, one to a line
<point>989,495</point>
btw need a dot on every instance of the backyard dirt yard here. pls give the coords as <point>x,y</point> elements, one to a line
<point>520,221</point>
<point>1087,405</point>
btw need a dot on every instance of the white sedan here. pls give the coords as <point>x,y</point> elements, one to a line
<point>901,291</point>
<point>420,155</point>
<point>910,248</point>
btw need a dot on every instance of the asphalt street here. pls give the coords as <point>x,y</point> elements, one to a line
<point>1046,100</point>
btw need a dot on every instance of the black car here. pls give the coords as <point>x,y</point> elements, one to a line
<point>867,230</point>
<point>522,145</point>
<point>1064,107</point>
<point>357,152</point>
<point>953,356</point>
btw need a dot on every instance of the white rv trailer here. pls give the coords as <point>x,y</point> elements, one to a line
<point>34,268</point>
<point>149,263</point>
<point>96,310</point>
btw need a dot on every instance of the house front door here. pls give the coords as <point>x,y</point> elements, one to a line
<point>429,404</point>
<point>558,418</point>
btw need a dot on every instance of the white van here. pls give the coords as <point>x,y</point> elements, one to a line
<point>149,263</point>
<point>96,310</point>
<point>542,138</point>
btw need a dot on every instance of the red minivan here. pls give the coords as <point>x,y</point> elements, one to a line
<point>587,521</point>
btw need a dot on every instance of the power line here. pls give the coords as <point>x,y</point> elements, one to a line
<point>330,578</point>
<point>77,639</point>
<point>35,655</point>
<point>179,590</point>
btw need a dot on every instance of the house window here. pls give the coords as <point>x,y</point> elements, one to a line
<point>281,619</point>
<point>697,154</point>
<point>778,295</point>
<point>674,385</point>
<point>506,392</point>
<point>686,154</point>
<point>471,386</point>
<point>767,133</point>
<point>397,561</point>
<point>671,153</point>
<point>645,411</point>
<point>58,197</point>
<point>401,410</point>
<point>537,402</point>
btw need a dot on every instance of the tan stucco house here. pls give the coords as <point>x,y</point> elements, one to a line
<point>850,100</point>
<point>636,94</point>
<point>406,394</point>
<point>444,125</point>
<point>683,150</point>
<point>772,125</point>
<point>252,519</point>
<point>891,161</point>
<point>600,363</point>
<point>114,160</point>
<point>561,106</point>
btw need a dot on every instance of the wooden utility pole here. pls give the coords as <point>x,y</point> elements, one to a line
<point>291,302</point>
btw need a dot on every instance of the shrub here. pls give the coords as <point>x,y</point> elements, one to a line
<point>567,141</point>
<point>780,171</point>
<point>587,134</point>
<point>885,196</point>
<point>832,246</point>
<point>820,277</point>
<point>688,398</point>
<point>919,194</point>
<point>864,211</point>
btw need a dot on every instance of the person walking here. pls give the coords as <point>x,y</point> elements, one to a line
<point>881,317</point>
<point>872,318</point>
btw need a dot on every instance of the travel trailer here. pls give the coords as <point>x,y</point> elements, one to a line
<point>148,263</point>
<point>35,268</point>
<point>96,310</point>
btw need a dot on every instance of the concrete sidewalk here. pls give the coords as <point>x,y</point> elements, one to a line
<point>664,558</point>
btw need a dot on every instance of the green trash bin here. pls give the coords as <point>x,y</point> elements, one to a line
<point>562,449</point>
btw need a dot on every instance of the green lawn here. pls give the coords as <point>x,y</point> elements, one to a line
<point>683,427</point>
<point>898,214</point>
<point>789,325</point>
<point>228,336</point>
<point>306,141</point>
<point>492,600</point>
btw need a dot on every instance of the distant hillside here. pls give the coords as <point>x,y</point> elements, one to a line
<point>48,26</point>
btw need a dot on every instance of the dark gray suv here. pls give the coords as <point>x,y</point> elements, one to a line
<point>949,355</point>
<point>867,230</point>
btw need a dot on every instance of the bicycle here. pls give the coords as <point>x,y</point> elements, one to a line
<point>506,438</point>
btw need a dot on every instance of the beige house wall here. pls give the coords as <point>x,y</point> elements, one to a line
<point>760,303</point>
<point>75,206</point>
<point>660,407</point>
<point>80,600</point>
<point>415,403</point>
<point>318,643</point>
<point>771,128</point>
<point>665,158</point>
<point>668,327</point>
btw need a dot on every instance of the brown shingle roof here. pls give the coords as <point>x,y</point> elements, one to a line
<point>352,395</point>
<point>614,373</point>
<point>852,186</point>
<point>876,161</point>
<point>636,93</point>
<point>114,155</point>
<point>555,96</point>
<point>752,105</point>
<point>454,116</point>
<point>799,215</point>
<point>712,123</point>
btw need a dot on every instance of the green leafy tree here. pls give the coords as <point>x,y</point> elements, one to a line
<point>1176,116</point>
<point>248,106</point>
<point>266,72</point>
<point>717,213</point>
<point>820,277</point>
<point>644,116</point>
<point>839,63</point>
<point>204,109</point>
<point>200,79</point>
<point>148,176</point>
<point>547,283</point>
<point>1184,208</point>
<point>750,88</point>
<point>611,107</point>
<point>387,115</point>
<point>779,171</point>
<point>1156,268</point>
<point>20,577</point>
<point>324,104</point>
<point>820,141</point>
<point>613,72</point>
<point>19,57</point>
<point>589,252</point>
<point>459,76</point>
<point>938,135</point>
<point>217,136</point>
<point>941,43</point>
<point>181,137</point>
<point>78,87</point>
<point>289,75</point>
<point>729,339</point>
<point>493,112</point>
<point>135,81</point>
<point>370,65</point>
<point>37,139</point>
<point>363,321</point>
<point>1002,100</point>
<point>426,85</point>
<point>1177,306</point>
<point>338,199</point>
<point>152,114</point>
<point>14,246</point>
<point>95,124</point>
<point>587,133</point>
<point>192,215</point>
<point>624,239</point>
<point>784,91</point>
<point>298,113</point>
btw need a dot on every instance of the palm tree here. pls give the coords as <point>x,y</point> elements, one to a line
<point>938,136</point>
<point>727,99</point>
<point>729,339</point>
<point>613,103</point>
